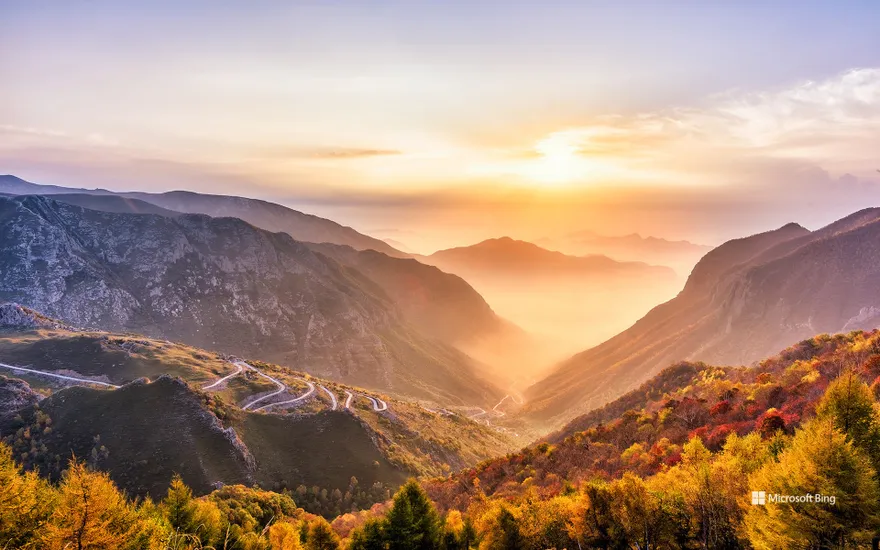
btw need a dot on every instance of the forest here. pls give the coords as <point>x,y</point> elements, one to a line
<point>675,488</point>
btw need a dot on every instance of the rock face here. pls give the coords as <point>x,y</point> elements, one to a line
<point>744,300</point>
<point>219,283</point>
<point>15,395</point>
<point>18,317</point>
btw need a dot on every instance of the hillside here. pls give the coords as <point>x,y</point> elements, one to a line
<point>645,431</point>
<point>743,299</point>
<point>223,284</point>
<point>438,303</point>
<point>142,409</point>
<point>263,214</point>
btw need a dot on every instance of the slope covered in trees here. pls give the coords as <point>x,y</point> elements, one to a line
<point>676,470</point>
<point>743,301</point>
<point>162,420</point>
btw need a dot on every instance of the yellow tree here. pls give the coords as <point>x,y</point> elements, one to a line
<point>636,511</point>
<point>820,460</point>
<point>284,535</point>
<point>90,514</point>
<point>321,536</point>
<point>25,502</point>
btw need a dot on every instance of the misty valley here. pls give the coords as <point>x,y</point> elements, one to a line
<point>229,373</point>
<point>448,275</point>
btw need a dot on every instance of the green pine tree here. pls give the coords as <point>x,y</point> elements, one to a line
<point>413,523</point>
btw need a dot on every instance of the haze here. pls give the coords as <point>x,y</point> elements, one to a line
<point>435,126</point>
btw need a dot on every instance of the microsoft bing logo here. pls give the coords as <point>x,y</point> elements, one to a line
<point>759,498</point>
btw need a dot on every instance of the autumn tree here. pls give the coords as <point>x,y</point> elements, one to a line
<point>25,502</point>
<point>820,460</point>
<point>849,403</point>
<point>458,532</point>
<point>284,536</point>
<point>180,508</point>
<point>592,522</point>
<point>500,530</point>
<point>90,514</point>
<point>321,536</point>
<point>370,536</point>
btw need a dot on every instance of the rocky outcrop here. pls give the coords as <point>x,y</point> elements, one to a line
<point>222,284</point>
<point>15,395</point>
<point>15,316</point>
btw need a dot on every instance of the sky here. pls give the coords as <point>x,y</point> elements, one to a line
<point>443,123</point>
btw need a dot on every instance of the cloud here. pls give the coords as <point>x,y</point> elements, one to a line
<point>328,153</point>
<point>832,123</point>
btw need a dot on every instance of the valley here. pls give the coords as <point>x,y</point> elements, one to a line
<point>439,275</point>
<point>311,368</point>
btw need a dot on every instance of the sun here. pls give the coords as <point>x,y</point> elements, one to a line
<point>559,163</point>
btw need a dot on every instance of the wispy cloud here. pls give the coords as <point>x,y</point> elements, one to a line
<point>327,153</point>
<point>833,123</point>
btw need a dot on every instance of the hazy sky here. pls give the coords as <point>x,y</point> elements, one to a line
<point>443,122</point>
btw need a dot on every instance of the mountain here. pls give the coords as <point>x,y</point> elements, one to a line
<point>439,304</point>
<point>646,431</point>
<point>680,255</point>
<point>112,203</point>
<point>743,299</point>
<point>265,215</point>
<point>564,301</point>
<point>221,283</point>
<point>399,246</point>
<point>509,257</point>
<point>447,307</point>
<point>436,302</point>
<point>143,409</point>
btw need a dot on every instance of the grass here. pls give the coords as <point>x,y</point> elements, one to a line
<point>144,432</point>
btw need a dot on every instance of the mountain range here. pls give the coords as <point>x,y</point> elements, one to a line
<point>680,255</point>
<point>514,258</point>
<point>566,302</point>
<point>223,284</point>
<point>263,214</point>
<point>743,300</point>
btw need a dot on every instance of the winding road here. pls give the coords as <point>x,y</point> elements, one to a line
<point>332,398</point>
<point>289,401</point>
<point>281,387</point>
<point>378,404</point>
<point>60,376</point>
<point>495,408</point>
<point>239,364</point>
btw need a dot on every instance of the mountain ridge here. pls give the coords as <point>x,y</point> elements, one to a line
<point>260,213</point>
<point>744,298</point>
<point>220,283</point>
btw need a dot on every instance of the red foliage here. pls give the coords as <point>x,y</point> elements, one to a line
<point>871,367</point>
<point>769,423</point>
<point>718,436</point>
<point>702,432</point>
<point>673,459</point>
<point>722,407</point>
